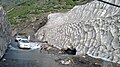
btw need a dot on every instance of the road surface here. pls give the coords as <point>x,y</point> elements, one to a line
<point>15,57</point>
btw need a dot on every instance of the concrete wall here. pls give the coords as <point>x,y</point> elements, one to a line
<point>5,32</point>
<point>93,29</point>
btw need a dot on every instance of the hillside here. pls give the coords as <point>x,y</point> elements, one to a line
<point>23,10</point>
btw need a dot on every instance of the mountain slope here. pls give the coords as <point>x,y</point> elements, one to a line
<point>92,29</point>
<point>23,10</point>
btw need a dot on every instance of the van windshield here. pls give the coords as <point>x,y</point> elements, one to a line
<point>25,41</point>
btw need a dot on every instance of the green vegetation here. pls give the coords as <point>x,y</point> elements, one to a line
<point>19,11</point>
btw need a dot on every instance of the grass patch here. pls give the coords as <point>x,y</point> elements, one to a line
<point>24,8</point>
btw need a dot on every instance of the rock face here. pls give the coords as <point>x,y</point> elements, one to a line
<point>5,32</point>
<point>93,29</point>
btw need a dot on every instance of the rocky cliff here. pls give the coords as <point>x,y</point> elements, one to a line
<point>93,29</point>
<point>5,32</point>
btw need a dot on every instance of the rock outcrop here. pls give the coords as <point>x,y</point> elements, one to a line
<point>5,32</point>
<point>93,29</point>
